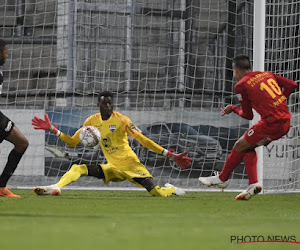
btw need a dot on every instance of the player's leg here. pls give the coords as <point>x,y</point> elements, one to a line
<point>251,170</point>
<point>232,161</point>
<point>134,169</point>
<point>250,166</point>
<point>235,157</point>
<point>96,171</point>
<point>10,132</point>
<point>72,175</point>
<point>156,190</point>
<point>268,133</point>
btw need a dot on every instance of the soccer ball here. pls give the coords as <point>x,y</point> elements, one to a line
<point>89,136</point>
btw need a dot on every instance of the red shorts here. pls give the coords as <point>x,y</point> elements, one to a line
<point>262,133</point>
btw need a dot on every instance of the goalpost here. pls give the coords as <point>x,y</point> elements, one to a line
<point>168,62</point>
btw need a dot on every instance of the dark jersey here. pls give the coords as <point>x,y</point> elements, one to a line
<point>1,80</point>
<point>266,93</point>
<point>6,125</point>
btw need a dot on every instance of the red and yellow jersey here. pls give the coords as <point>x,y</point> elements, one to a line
<point>266,93</point>
<point>114,142</point>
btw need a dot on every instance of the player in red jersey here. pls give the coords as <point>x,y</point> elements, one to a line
<point>267,94</point>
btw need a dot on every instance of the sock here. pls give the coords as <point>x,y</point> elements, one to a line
<point>162,191</point>
<point>250,166</point>
<point>233,159</point>
<point>13,160</point>
<point>72,175</point>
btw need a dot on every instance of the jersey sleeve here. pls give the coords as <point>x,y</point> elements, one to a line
<point>88,122</point>
<point>129,127</point>
<point>74,140</point>
<point>71,141</point>
<point>288,85</point>
<point>136,134</point>
<point>245,110</point>
<point>147,143</point>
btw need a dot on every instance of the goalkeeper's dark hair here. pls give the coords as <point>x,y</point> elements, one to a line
<point>2,44</point>
<point>242,62</point>
<point>105,94</point>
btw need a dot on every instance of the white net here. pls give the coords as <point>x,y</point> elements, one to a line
<point>281,158</point>
<point>168,64</point>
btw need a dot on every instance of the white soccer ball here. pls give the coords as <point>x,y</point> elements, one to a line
<point>89,136</point>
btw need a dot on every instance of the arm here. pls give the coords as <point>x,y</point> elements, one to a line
<point>287,85</point>
<point>135,133</point>
<point>245,110</point>
<point>181,159</point>
<point>71,141</point>
<point>147,143</point>
<point>47,125</point>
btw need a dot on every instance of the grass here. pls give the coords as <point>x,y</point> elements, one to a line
<point>135,220</point>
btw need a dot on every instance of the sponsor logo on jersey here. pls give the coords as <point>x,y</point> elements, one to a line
<point>106,142</point>
<point>8,127</point>
<point>112,128</point>
<point>132,127</point>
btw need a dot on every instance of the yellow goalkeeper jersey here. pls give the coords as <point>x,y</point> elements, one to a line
<point>114,142</point>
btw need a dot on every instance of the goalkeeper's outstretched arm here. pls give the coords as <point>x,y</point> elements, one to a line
<point>39,123</point>
<point>181,159</point>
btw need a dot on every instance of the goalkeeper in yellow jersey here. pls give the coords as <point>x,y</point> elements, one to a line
<point>122,162</point>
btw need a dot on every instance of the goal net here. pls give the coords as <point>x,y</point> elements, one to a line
<point>281,158</point>
<point>168,63</point>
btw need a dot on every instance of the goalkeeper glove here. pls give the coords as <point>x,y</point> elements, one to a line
<point>181,159</point>
<point>38,123</point>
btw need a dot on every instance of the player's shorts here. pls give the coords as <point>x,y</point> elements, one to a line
<point>262,133</point>
<point>127,171</point>
<point>6,126</point>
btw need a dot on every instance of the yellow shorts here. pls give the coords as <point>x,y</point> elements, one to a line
<point>127,171</point>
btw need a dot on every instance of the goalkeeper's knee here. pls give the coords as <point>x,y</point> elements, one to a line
<point>162,191</point>
<point>79,169</point>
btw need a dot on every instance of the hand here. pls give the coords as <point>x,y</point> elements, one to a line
<point>226,110</point>
<point>180,159</point>
<point>38,123</point>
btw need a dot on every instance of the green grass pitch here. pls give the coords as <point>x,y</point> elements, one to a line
<point>134,220</point>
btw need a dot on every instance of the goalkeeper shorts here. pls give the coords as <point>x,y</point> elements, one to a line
<point>126,171</point>
<point>262,133</point>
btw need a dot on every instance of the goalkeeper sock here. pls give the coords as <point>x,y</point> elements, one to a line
<point>162,191</point>
<point>72,175</point>
<point>233,159</point>
<point>12,162</point>
<point>250,166</point>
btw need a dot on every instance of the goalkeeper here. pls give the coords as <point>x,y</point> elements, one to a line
<point>122,162</point>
